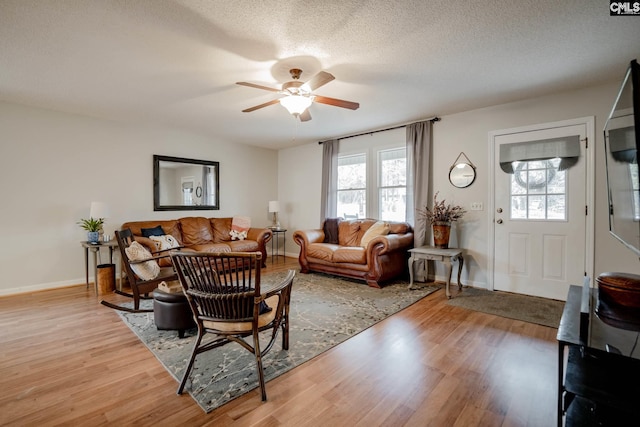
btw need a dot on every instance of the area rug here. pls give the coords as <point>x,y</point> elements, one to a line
<point>541,311</point>
<point>325,311</point>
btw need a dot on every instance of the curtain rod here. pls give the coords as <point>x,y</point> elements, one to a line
<point>433,119</point>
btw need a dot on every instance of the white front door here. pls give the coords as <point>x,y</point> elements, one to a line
<point>540,224</point>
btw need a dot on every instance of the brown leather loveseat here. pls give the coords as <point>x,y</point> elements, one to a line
<point>376,256</point>
<point>202,234</point>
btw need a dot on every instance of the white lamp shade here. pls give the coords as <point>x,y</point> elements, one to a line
<point>274,206</point>
<point>296,104</point>
<point>98,210</point>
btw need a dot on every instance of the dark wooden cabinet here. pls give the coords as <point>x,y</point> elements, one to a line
<point>598,369</point>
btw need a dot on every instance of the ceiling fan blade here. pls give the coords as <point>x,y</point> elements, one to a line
<point>266,104</point>
<point>305,116</point>
<point>337,102</point>
<point>258,86</point>
<point>320,79</point>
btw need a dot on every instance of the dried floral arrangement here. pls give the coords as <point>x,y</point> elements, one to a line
<point>441,211</point>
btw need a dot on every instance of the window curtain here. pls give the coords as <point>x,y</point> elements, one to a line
<point>206,197</point>
<point>329,195</point>
<point>566,148</point>
<point>419,137</point>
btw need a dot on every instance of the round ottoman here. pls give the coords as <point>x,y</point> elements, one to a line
<point>171,312</point>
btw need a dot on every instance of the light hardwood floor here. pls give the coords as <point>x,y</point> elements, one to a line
<point>67,360</point>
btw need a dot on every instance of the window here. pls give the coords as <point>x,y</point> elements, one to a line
<point>538,190</point>
<point>633,174</point>
<point>374,192</point>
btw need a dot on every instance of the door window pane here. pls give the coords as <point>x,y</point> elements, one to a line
<point>538,190</point>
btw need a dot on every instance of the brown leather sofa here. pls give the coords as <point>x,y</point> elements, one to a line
<point>383,258</point>
<point>203,235</point>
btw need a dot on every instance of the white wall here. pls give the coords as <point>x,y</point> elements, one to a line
<point>53,165</point>
<point>468,132</point>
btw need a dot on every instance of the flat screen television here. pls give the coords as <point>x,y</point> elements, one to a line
<point>622,145</point>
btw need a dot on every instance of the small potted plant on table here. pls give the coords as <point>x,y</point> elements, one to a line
<point>93,227</point>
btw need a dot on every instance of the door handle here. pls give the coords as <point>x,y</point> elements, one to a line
<point>499,221</point>
<point>499,210</point>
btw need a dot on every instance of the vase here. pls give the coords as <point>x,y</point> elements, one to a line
<point>93,236</point>
<point>441,232</point>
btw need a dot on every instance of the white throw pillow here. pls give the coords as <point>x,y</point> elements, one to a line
<point>145,270</point>
<point>380,228</point>
<point>164,242</point>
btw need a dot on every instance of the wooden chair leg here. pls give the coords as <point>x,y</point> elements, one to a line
<point>256,350</point>
<point>190,365</point>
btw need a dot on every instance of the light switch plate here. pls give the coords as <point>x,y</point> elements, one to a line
<point>476,206</point>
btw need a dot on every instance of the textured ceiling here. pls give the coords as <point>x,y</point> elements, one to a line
<point>176,62</point>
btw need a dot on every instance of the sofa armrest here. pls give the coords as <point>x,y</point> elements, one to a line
<point>306,237</point>
<point>260,235</point>
<point>390,243</point>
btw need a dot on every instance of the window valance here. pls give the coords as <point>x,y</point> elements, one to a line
<point>566,148</point>
<point>622,144</point>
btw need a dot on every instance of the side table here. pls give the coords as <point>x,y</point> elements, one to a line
<point>446,256</point>
<point>276,235</point>
<point>95,248</point>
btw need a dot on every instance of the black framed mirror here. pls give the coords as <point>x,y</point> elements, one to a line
<point>462,175</point>
<point>181,184</point>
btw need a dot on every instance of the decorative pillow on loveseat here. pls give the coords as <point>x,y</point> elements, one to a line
<point>240,226</point>
<point>155,231</point>
<point>144,270</point>
<point>380,228</point>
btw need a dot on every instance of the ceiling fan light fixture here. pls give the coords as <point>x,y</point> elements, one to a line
<point>296,104</point>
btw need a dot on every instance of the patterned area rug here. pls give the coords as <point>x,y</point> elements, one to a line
<point>541,311</point>
<point>325,311</point>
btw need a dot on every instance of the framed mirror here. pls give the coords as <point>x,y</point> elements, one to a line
<point>462,173</point>
<point>181,184</point>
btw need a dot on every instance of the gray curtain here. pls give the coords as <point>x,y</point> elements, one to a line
<point>566,148</point>
<point>418,168</point>
<point>329,196</point>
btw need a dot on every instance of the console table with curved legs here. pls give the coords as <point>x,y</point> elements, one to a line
<point>446,256</point>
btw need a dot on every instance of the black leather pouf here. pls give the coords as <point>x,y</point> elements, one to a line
<point>171,312</point>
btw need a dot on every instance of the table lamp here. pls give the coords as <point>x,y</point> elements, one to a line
<point>274,207</point>
<point>99,210</point>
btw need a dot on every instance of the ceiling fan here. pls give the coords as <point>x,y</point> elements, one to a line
<point>297,96</point>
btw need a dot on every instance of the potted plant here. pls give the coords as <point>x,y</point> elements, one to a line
<point>93,227</point>
<point>440,217</point>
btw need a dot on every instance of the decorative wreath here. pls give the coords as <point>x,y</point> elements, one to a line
<point>551,174</point>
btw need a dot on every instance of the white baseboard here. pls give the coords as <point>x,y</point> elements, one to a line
<point>43,287</point>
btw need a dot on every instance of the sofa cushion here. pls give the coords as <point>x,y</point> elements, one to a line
<point>196,231</point>
<point>350,254</point>
<point>221,229</point>
<point>348,232</point>
<point>169,226</point>
<point>243,245</point>
<point>380,228</point>
<point>399,228</point>
<point>145,270</point>
<point>211,247</point>
<point>323,251</point>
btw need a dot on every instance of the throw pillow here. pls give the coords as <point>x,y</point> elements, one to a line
<point>165,242</point>
<point>380,228</point>
<point>240,227</point>
<point>145,270</point>
<point>155,231</point>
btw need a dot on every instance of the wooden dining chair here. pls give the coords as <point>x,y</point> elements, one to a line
<point>229,300</point>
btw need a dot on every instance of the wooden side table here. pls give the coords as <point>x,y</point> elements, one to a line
<point>95,248</point>
<point>446,256</point>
